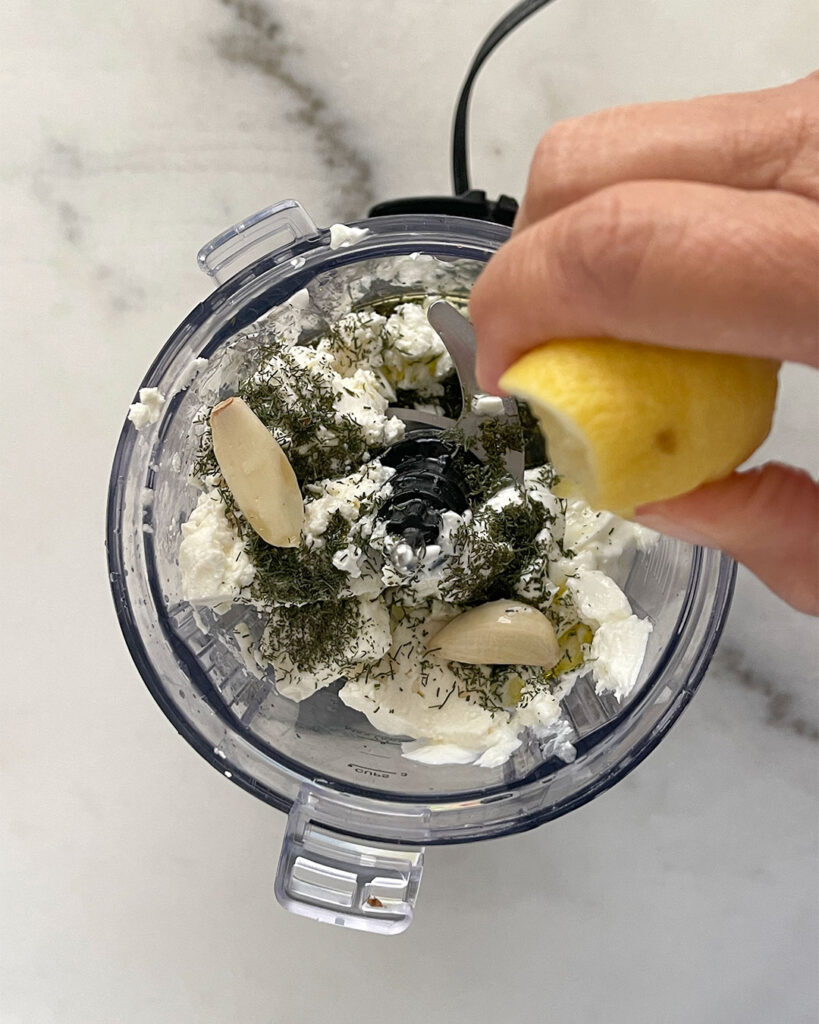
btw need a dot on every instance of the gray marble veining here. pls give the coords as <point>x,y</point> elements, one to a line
<point>260,42</point>
<point>780,703</point>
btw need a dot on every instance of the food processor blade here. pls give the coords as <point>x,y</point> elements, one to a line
<point>457,334</point>
<point>429,464</point>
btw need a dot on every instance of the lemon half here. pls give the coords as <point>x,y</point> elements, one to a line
<point>628,423</point>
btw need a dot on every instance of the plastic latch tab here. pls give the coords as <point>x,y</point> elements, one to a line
<point>261,234</point>
<point>343,880</point>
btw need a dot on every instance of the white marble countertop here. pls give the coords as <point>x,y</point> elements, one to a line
<point>137,884</point>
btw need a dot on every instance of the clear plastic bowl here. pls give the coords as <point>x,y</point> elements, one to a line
<point>359,813</point>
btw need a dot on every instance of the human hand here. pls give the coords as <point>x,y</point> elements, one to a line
<point>692,224</point>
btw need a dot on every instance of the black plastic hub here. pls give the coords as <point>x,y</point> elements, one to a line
<point>429,480</point>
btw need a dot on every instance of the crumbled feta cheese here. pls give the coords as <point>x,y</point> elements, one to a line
<point>504,498</point>
<point>438,753</point>
<point>488,405</point>
<point>597,597</point>
<point>599,540</point>
<point>212,559</point>
<point>356,342</point>
<point>533,584</point>
<point>345,496</point>
<point>539,490</point>
<point>620,638</point>
<point>360,399</point>
<point>342,235</point>
<point>362,363</point>
<point>416,359</point>
<point>147,409</point>
<point>421,700</point>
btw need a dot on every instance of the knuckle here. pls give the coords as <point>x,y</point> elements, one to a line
<point>552,147</point>
<point>789,148</point>
<point>550,171</point>
<point>602,244</point>
<point>780,493</point>
<point>775,487</point>
<point>799,174</point>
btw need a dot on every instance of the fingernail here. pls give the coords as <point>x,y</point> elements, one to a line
<point>672,528</point>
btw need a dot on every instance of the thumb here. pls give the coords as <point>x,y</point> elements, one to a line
<point>766,518</point>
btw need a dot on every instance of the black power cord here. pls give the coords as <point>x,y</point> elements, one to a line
<point>468,202</point>
<point>460,158</point>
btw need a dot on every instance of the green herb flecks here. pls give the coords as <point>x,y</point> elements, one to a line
<point>480,685</point>
<point>312,636</point>
<point>299,575</point>
<point>356,340</point>
<point>498,544</point>
<point>574,644</point>
<point>496,437</point>
<point>299,406</point>
<point>495,688</point>
<point>312,618</point>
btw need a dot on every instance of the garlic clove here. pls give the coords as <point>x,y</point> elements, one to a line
<point>258,473</point>
<point>498,633</point>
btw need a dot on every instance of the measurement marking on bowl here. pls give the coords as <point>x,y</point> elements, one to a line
<point>378,773</point>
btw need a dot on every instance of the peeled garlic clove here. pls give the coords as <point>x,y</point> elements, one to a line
<point>258,473</point>
<point>498,633</point>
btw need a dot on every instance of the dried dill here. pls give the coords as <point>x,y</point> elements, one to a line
<point>357,340</point>
<point>496,554</point>
<point>495,438</point>
<point>312,635</point>
<point>574,646</point>
<point>496,688</point>
<point>299,407</point>
<point>297,575</point>
<point>485,688</point>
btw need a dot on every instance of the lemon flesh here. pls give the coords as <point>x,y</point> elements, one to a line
<point>628,423</point>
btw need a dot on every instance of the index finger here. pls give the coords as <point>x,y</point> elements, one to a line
<point>754,140</point>
<point>670,263</point>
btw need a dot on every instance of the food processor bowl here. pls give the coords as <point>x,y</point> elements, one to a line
<point>359,813</point>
